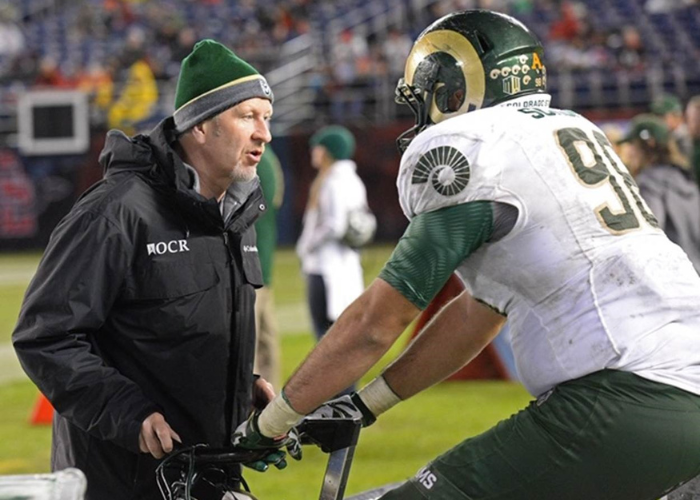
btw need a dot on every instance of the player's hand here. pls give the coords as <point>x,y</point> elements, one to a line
<point>346,406</point>
<point>248,436</point>
<point>156,436</point>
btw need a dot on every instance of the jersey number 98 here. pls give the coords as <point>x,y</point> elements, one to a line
<point>594,172</point>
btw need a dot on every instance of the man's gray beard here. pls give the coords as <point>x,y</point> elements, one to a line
<point>243,174</point>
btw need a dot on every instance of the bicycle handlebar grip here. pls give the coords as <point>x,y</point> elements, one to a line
<point>330,434</point>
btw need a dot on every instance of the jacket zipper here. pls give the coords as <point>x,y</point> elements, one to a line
<point>235,343</point>
<point>234,346</point>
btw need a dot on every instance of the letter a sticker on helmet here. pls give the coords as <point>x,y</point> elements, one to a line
<point>446,168</point>
<point>536,63</point>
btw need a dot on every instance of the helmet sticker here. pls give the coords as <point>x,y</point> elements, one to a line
<point>511,85</point>
<point>536,63</point>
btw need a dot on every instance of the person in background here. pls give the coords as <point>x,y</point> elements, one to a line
<point>50,75</point>
<point>665,182</point>
<point>670,109</point>
<point>136,99</point>
<point>139,323</point>
<point>539,218</point>
<point>692,115</point>
<point>332,268</point>
<point>96,81</point>
<point>267,349</point>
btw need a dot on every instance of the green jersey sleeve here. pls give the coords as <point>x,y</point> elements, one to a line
<point>433,246</point>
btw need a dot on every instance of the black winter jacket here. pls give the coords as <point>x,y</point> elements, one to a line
<point>142,302</point>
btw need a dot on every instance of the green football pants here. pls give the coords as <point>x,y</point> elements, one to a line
<point>610,435</point>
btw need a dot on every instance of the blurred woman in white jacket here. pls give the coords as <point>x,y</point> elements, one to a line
<point>332,268</point>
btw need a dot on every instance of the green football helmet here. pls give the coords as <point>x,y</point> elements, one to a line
<point>467,61</point>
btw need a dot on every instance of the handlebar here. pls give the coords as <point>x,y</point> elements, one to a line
<point>335,436</point>
<point>329,434</point>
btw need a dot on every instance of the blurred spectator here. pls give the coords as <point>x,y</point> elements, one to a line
<point>692,114</point>
<point>665,182</point>
<point>615,133</point>
<point>96,81</point>
<point>88,22</point>
<point>167,26</point>
<point>267,350</point>
<point>12,40</point>
<point>332,269</point>
<point>50,75</point>
<point>186,39</point>
<point>670,109</point>
<point>18,211</point>
<point>323,83</point>
<point>396,48</point>
<point>349,49</point>
<point>663,6</point>
<point>138,96</point>
<point>23,69</point>
<point>631,53</point>
<point>118,15</point>
<point>567,26</point>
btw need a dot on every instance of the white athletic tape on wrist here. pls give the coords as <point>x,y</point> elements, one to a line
<point>277,418</point>
<point>378,396</point>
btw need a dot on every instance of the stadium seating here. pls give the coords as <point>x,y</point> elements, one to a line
<point>671,43</point>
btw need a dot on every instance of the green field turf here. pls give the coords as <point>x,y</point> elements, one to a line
<point>393,449</point>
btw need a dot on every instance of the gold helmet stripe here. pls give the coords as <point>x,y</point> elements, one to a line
<point>464,53</point>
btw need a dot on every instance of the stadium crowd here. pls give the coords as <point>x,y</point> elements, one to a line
<point>93,45</point>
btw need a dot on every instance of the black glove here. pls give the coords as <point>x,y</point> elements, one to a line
<point>347,406</point>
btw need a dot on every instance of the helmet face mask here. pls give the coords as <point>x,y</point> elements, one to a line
<point>467,61</point>
<point>414,98</point>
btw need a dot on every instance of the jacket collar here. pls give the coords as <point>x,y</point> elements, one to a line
<point>153,156</point>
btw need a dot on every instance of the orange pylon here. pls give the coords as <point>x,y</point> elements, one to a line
<point>487,364</point>
<point>43,411</point>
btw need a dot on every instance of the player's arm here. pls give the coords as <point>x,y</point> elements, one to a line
<point>452,339</point>
<point>432,247</point>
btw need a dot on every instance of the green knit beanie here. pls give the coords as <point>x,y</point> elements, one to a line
<point>213,79</point>
<point>338,140</point>
<point>645,127</point>
<point>666,103</point>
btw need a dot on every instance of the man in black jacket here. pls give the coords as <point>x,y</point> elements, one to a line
<point>138,325</point>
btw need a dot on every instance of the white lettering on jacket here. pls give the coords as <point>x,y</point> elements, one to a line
<point>250,248</point>
<point>174,246</point>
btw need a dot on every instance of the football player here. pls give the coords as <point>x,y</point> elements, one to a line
<point>533,210</point>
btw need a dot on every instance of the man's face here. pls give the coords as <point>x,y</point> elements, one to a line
<point>237,140</point>
<point>318,156</point>
<point>633,157</point>
<point>673,120</point>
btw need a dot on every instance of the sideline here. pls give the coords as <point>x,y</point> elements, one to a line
<point>10,369</point>
<point>19,274</point>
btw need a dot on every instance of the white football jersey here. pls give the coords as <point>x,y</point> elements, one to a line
<point>585,277</point>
